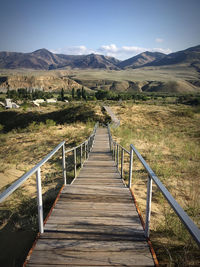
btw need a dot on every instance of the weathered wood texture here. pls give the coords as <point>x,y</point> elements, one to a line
<point>94,222</point>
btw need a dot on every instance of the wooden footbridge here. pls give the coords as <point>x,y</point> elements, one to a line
<point>94,222</point>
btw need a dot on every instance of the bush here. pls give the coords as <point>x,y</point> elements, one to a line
<point>50,123</point>
<point>1,128</point>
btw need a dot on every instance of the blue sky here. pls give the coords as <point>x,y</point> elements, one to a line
<point>120,28</point>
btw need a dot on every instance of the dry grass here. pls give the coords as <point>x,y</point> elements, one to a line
<point>22,148</point>
<point>168,138</point>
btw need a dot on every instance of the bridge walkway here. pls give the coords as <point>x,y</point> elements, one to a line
<point>94,222</point>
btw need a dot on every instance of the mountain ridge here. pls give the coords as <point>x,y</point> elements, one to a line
<point>43,59</point>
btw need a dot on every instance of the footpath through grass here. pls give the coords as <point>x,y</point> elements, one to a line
<point>168,137</point>
<point>27,137</point>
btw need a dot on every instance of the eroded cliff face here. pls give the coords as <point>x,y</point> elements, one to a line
<point>46,83</point>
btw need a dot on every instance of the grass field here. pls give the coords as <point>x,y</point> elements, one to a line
<point>148,73</point>
<point>27,137</point>
<point>168,138</point>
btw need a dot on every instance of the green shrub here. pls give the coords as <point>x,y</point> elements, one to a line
<point>1,128</point>
<point>50,123</point>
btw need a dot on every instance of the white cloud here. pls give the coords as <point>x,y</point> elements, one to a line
<point>159,40</point>
<point>161,50</point>
<point>109,48</point>
<point>127,51</point>
<point>112,50</point>
<point>74,50</point>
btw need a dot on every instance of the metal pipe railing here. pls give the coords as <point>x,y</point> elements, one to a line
<point>189,224</point>
<point>37,169</point>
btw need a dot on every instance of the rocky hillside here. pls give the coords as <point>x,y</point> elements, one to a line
<point>43,59</point>
<point>187,56</point>
<point>46,83</point>
<point>141,60</point>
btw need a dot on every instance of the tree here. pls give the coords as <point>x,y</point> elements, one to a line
<point>8,93</point>
<point>62,95</point>
<point>78,92</point>
<point>83,93</point>
<point>73,93</point>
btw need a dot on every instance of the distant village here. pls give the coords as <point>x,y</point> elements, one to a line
<point>9,104</point>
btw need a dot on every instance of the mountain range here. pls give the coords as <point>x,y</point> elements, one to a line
<point>43,59</point>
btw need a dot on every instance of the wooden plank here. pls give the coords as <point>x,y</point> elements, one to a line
<point>72,265</point>
<point>132,220</point>
<point>97,206</point>
<point>97,190</point>
<point>98,170</point>
<point>134,229</point>
<point>96,182</point>
<point>127,258</point>
<point>92,235</point>
<point>99,175</point>
<point>95,198</point>
<point>104,182</point>
<point>102,163</point>
<point>92,213</point>
<point>85,245</point>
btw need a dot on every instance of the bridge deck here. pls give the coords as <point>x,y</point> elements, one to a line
<point>95,222</point>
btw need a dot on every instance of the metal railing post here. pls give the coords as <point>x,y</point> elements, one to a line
<point>115,152</point>
<point>122,162</point>
<point>109,136</point>
<point>117,156</point>
<point>75,163</point>
<point>148,206</point>
<point>64,164</point>
<point>130,167</point>
<point>81,155</point>
<point>85,151</point>
<point>39,201</point>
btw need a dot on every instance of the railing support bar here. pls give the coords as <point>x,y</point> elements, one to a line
<point>81,155</point>
<point>113,152</point>
<point>85,151</point>
<point>39,201</point>
<point>117,156</point>
<point>130,167</point>
<point>122,162</point>
<point>75,163</point>
<point>148,206</point>
<point>64,164</point>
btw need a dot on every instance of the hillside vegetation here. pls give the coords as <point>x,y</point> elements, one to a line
<point>26,137</point>
<point>176,79</point>
<point>168,137</point>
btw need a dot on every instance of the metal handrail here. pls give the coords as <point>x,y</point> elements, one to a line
<point>187,221</point>
<point>21,180</point>
<point>37,169</point>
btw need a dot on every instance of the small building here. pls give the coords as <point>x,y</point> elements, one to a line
<point>51,100</point>
<point>2,104</point>
<point>36,104</point>
<point>39,101</point>
<point>10,104</point>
